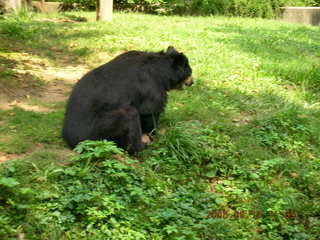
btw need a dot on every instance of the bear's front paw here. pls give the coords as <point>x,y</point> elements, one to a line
<point>146,139</point>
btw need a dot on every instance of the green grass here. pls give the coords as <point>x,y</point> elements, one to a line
<point>238,156</point>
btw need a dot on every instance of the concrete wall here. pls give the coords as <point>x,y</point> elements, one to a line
<point>10,5</point>
<point>306,15</point>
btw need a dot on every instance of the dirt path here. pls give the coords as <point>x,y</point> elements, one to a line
<point>33,83</point>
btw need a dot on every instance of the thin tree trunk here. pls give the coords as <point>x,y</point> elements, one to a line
<point>104,10</point>
<point>42,3</point>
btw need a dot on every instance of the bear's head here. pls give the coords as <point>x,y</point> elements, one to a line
<point>181,67</point>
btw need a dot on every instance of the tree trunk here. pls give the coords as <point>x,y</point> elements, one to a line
<point>42,5</point>
<point>104,10</point>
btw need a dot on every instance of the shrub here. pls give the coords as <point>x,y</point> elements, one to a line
<point>243,8</point>
<point>79,4</point>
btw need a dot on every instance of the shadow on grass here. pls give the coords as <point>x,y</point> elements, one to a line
<point>259,126</point>
<point>24,130</point>
<point>57,41</point>
<point>16,84</point>
<point>6,63</point>
<point>289,54</point>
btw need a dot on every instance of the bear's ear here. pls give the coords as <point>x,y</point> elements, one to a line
<point>179,59</point>
<point>171,51</point>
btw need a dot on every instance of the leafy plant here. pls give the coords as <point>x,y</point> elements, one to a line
<point>287,132</point>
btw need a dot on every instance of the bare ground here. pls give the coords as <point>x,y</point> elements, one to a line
<point>34,84</point>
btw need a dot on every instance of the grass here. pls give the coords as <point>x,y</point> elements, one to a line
<point>237,156</point>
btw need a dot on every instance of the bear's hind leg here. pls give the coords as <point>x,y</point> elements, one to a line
<point>149,122</point>
<point>122,126</point>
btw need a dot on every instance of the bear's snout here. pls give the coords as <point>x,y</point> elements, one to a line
<point>189,81</point>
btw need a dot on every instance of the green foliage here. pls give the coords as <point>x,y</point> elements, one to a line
<point>24,128</point>
<point>244,8</point>
<point>134,5</point>
<point>114,197</point>
<point>306,3</point>
<point>79,4</point>
<point>14,25</point>
<point>285,132</point>
<point>260,8</point>
<point>103,194</point>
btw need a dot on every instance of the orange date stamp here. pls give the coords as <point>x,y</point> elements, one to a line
<point>290,214</point>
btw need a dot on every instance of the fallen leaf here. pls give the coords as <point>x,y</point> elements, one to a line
<point>3,158</point>
<point>295,175</point>
<point>119,158</point>
<point>162,131</point>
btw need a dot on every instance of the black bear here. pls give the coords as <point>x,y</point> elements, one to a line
<point>121,100</point>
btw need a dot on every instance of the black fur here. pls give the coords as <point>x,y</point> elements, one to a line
<point>122,99</point>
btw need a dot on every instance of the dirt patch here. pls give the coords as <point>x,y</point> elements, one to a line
<point>65,154</point>
<point>32,82</point>
<point>70,19</point>
<point>5,156</point>
<point>60,82</point>
<point>242,118</point>
<point>5,104</point>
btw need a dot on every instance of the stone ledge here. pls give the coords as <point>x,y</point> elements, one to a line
<point>305,15</point>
